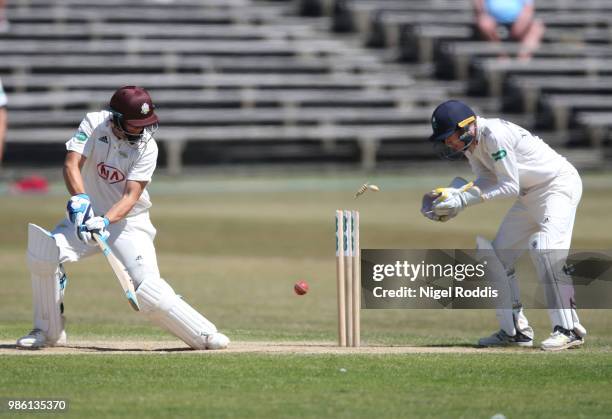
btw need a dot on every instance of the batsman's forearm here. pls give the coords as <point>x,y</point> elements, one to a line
<point>73,180</point>
<point>131,195</point>
<point>121,209</point>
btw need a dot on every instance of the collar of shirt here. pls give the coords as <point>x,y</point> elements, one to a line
<point>481,124</point>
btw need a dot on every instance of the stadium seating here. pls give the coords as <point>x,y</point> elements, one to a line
<point>237,81</point>
<point>251,81</point>
<point>562,93</point>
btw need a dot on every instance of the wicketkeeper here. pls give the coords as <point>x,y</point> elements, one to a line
<point>508,161</point>
<point>110,160</point>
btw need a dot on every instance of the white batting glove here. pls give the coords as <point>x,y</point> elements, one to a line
<point>94,225</point>
<point>78,208</point>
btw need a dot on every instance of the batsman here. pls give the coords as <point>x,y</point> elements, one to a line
<point>508,161</point>
<point>109,162</point>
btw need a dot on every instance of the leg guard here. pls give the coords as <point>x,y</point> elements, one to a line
<point>166,309</point>
<point>510,314</point>
<point>558,286</point>
<point>48,284</point>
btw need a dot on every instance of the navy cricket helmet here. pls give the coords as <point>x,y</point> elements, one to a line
<point>447,118</point>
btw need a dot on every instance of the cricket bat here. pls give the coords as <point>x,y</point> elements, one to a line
<point>120,271</point>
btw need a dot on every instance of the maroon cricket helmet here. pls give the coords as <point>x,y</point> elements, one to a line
<point>134,105</point>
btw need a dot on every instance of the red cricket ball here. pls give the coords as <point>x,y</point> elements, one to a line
<point>301,287</point>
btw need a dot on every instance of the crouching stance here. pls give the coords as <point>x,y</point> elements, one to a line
<point>110,160</point>
<point>508,161</point>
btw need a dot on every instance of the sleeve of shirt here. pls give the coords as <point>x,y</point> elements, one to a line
<point>79,141</point>
<point>505,167</point>
<point>143,168</point>
<point>485,179</point>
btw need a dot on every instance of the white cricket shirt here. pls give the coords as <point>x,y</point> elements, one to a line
<point>111,162</point>
<point>509,160</point>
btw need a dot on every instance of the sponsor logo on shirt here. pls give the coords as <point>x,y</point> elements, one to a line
<point>498,155</point>
<point>104,139</point>
<point>81,136</point>
<point>109,173</point>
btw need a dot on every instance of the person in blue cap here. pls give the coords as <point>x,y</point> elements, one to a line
<point>516,17</point>
<point>510,162</point>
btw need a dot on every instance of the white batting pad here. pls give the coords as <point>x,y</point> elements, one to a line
<point>48,281</point>
<point>166,309</point>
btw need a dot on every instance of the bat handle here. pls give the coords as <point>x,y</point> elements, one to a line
<point>101,243</point>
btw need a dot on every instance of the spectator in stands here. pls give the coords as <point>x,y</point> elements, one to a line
<point>510,19</point>
<point>2,121</point>
<point>4,23</point>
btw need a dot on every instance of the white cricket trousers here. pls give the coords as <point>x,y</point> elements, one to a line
<point>131,239</point>
<point>542,219</point>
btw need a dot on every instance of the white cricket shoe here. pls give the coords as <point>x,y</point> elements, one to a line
<point>37,339</point>
<point>501,338</point>
<point>217,340</point>
<point>561,339</point>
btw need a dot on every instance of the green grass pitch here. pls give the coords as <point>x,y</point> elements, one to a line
<point>233,247</point>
